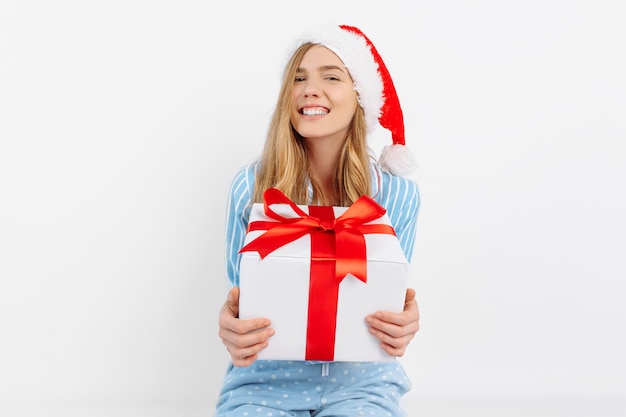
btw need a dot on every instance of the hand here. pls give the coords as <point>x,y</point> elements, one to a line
<point>395,330</point>
<point>243,339</point>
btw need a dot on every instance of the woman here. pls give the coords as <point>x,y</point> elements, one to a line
<point>335,90</point>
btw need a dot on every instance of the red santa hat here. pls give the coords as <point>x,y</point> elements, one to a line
<point>374,86</point>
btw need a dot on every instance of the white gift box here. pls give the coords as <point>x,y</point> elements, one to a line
<point>277,287</point>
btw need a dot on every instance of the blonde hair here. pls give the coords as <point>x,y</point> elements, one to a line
<point>284,162</point>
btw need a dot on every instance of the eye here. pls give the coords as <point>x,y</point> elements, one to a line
<point>299,78</point>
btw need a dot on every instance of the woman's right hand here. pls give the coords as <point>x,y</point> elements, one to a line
<point>243,339</point>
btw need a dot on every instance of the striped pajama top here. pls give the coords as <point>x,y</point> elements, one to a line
<point>398,195</point>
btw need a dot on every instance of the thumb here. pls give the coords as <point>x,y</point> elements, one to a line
<point>233,301</point>
<point>410,295</point>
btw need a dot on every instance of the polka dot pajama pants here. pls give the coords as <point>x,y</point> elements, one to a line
<point>313,389</point>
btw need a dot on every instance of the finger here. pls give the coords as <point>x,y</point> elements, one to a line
<point>245,332</point>
<point>393,351</point>
<point>242,363</point>
<point>242,327</point>
<point>242,354</point>
<point>381,318</point>
<point>248,339</point>
<point>229,321</point>
<point>409,314</point>
<point>246,354</point>
<point>393,342</point>
<point>393,325</point>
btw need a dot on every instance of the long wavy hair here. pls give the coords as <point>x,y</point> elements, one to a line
<point>284,161</point>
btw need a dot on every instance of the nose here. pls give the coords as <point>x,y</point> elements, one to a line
<point>310,92</point>
<point>311,89</point>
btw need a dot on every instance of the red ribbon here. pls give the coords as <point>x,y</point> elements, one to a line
<point>337,249</point>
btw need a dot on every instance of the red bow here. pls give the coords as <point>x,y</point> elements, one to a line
<point>349,230</point>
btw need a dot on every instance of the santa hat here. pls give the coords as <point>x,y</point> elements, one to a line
<point>374,86</point>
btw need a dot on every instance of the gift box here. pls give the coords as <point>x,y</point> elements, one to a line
<point>316,272</point>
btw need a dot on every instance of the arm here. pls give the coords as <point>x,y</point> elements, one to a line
<point>395,330</point>
<point>243,339</point>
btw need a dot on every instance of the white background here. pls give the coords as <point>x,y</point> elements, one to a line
<point>122,123</point>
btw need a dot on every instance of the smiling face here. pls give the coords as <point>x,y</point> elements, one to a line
<point>323,100</point>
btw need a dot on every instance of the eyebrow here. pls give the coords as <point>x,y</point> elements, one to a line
<point>326,68</point>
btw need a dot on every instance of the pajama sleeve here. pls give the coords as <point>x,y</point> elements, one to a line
<point>400,197</point>
<point>237,213</point>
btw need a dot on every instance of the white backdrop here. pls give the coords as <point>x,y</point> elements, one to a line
<point>122,123</point>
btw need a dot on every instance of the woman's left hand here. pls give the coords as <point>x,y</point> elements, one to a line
<point>395,330</point>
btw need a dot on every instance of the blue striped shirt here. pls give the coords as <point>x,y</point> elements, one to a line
<point>398,195</point>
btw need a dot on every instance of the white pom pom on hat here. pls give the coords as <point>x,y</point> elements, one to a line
<point>374,86</point>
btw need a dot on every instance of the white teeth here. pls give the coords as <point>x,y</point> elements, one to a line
<point>314,112</point>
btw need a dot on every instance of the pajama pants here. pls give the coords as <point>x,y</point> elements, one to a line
<point>318,389</point>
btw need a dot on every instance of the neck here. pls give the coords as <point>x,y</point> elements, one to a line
<point>323,162</point>
<point>323,159</point>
